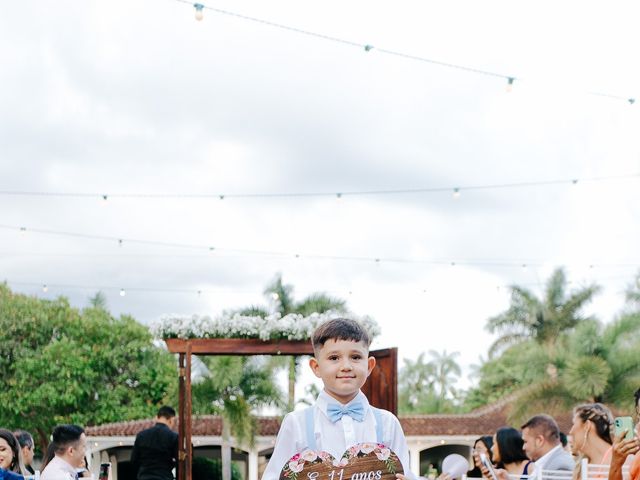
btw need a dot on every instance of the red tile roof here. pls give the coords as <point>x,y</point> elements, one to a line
<point>483,421</point>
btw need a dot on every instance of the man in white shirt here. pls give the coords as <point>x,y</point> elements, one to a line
<point>541,437</point>
<point>70,444</point>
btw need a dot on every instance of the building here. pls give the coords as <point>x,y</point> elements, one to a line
<point>430,438</point>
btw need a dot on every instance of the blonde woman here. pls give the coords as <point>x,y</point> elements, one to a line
<point>591,433</point>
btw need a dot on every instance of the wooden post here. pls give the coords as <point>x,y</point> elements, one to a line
<point>187,417</point>
<point>181,417</point>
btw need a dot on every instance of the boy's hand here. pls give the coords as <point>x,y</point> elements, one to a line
<point>400,476</point>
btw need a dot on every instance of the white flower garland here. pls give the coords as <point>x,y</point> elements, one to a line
<point>272,327</point>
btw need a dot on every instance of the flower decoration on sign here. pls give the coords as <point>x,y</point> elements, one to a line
<point>308,457</point>
<point>272,327</point>
<point>383,454</point>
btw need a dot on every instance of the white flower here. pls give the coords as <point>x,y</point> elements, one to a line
<point>272,327</point>
<point>367,447</point>
<point>296,467</point>
<point>309,455</point>
<point>383,454</point>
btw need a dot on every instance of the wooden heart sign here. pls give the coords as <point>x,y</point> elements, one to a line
<point>364,461</point>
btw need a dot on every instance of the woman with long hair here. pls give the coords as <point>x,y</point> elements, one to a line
<point>10,456</point>
<point>481,445</point>
<point>507,451</point>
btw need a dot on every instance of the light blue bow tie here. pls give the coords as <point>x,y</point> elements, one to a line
<point>355,411</point>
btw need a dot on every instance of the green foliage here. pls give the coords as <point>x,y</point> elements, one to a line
<point>542,320</point>
<point>234,388</point>
<point>211,469</point>
<point>427,387</point>
<point>592,362</point>
<point>62,365</point>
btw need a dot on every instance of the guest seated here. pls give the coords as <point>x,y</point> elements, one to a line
<point>591,433</point>
<point>507,451</point>
<point>481,445</point>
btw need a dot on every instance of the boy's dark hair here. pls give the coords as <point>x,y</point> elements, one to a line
<point>637,396</point>
<point>65,436</point>
<point>339,329</point>
<point>166,412</point>
<point>545,425</point>
<point>24,438</point>
<point>510,443</point>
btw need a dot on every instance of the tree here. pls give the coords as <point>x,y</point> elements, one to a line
<point>99,301</point>
<point>591,363</point>
<point>427,387</point>
<point>542,320</point>
<point>281,297</point>
<point>234,387</point>
<point>446,370</point>
<point>63,365</point>
<point>633,293</point>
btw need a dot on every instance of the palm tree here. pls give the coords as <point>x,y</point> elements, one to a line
<point>595,364</point>
<point>234,387</point>
<point>427,387</point>
<point>542,320</point>
<point>633,293</point>
<point>446,370</point>
<point>281,298</point>
<point>98,301</point>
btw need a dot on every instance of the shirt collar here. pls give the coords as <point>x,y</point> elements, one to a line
<point>543,459</point>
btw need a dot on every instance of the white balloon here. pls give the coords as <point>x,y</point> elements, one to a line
<point>455,465</point>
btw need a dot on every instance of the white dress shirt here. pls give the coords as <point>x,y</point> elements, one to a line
<point>58,469</point>
<point>335,438</point>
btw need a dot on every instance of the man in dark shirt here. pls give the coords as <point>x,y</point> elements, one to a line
<point>156,449</point>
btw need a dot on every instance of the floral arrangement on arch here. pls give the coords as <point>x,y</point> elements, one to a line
<point>272,327</point>
<point>297,462</point>
<point>381,451</point>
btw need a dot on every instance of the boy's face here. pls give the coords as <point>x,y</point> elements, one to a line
<point>343,366</point>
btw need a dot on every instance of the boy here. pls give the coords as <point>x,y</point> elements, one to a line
<point>341,416</point>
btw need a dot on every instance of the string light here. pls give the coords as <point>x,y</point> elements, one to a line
<point>368,47</point>
<point>122,291</point>
<point>339,195</point>
<point>45,289</point>
<point>456,193</point>
<point>510,81</point>
<point>267,253</point>
<point>199,11</point>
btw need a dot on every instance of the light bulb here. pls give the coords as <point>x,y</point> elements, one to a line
<point>199,11</point>
<point>456,193</point>
<point>45,288</point>
<point>510,81</point>
<point>122,292</point>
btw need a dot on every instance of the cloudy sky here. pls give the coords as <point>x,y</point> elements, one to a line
<point>138,101</point>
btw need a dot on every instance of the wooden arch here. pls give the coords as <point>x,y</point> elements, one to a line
<point>381,387</point>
